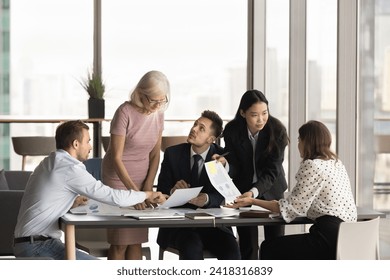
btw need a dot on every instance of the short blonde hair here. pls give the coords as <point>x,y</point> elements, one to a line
<point>153,83</point>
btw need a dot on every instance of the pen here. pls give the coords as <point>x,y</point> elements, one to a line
<point>224,154</point>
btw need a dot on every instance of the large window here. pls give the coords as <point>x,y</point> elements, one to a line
<point>322,63</point>
<point>50,52</point>
<point>375,99</point>
<point>199,44</point>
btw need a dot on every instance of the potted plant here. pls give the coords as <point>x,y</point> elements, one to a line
<point>95,88</point>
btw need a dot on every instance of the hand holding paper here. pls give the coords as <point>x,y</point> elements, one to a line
<point>156,197</point>
<point>200,200</point>
<point>180,197</point>
<point>222,181</point>
<point>220,158</point>
<point>241,202</point>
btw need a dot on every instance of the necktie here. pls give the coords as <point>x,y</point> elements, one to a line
<point>195,171</point>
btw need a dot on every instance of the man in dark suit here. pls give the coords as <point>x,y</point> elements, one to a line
<point>182,167</point>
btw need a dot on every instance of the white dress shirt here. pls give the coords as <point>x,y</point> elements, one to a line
<point>52,189</point>
<point>322,188</point>
<point>253,139</point>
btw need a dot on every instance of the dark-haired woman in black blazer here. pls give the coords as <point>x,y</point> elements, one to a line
<point>256,142</point>
<point>322,193</point>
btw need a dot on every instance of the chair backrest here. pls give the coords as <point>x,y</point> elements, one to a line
<point>10,201</point>
<point>382,144</point>
<point>93,166</point>
<point>33,146</point>
<point>358,240</point>
<point>17,179</point>
<point>167,141</point>
<point>105,142</point>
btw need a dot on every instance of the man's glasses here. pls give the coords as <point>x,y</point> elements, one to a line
<point>160,102</point>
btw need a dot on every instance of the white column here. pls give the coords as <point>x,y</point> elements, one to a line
<point>297,82</point>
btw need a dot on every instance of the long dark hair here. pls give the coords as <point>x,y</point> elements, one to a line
<point>249,98</point>
<point>275,127</point>
<point>316,140</point>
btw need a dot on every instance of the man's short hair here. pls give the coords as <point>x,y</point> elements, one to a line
<point>217,123</point>
<point>69,131</point>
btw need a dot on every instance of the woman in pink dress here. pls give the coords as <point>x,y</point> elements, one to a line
<point>133,155</point>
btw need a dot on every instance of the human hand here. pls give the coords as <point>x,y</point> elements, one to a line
<point>180,185</point>
<point>79,201</point>
<point>156,198</point>
<point>140,206</point>
<point>246,194</point>
<point>241,201</point>
<point>200,200</point>
<point>220,158</point>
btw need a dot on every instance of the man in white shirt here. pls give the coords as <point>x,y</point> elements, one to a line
<point>59,183</point>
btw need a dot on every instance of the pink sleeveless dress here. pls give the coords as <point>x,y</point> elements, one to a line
<point>141,132</point>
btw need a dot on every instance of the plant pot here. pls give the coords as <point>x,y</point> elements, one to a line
<point>96,108</point>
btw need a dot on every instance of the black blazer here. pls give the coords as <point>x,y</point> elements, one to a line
<point>271,177</point>
<point>176,166</point>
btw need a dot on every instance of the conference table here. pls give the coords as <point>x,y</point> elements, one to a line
<point>69,222</point>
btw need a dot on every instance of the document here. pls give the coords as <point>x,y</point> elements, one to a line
<point>94,207</point>
<point>180,197</point>
<point>97,208</point>
<point>221,212</point>
<point>221,180</point>
<point>155,214</point>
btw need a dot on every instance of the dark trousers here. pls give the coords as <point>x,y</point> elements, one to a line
<point>190,242</point>
<point>319,244</point>
<point>248,238</point>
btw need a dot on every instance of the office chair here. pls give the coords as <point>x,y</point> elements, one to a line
<point>105,142</point>
<point>167,141</point>
<point>358,240</point>
<point>33,146</point>
<point>10,201</point>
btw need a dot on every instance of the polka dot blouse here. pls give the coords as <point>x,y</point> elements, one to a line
<point>322,188</point>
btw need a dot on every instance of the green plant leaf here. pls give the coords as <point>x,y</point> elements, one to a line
<point>94,85</point>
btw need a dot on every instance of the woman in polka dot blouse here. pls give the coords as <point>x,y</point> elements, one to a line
<point>322,193</point>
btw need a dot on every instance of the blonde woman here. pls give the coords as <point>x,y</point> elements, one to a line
<point>133,155</point>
